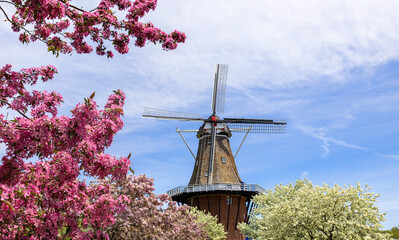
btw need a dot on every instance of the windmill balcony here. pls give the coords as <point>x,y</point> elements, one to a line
<point>216,187</point>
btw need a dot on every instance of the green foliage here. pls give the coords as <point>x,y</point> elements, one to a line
<point>215,230</point>
<point>305,211</point>
<point>394,232</point>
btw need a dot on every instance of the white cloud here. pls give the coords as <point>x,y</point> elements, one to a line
<point>273,45</point>
<point>327,141</point>
<point>391,156</point>
<point>288,41</point>
<point>339,142</point>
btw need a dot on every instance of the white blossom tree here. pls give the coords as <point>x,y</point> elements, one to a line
<point>305,211</point>
<point>214,230</point>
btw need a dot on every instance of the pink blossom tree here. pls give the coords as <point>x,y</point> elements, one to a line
<point>41,196</point>
<point>39,199</point>
<point>63,27</point>
<point>150,216</point>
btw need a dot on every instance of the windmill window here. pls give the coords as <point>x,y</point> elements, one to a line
<point>223,160</point>
<point>229,200</point>
<point>206,174</point>
<point>196,163</point>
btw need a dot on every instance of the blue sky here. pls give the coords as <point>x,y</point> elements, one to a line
<point>330,68</point>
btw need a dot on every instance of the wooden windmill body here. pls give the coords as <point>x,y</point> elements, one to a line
<point>215,185</point>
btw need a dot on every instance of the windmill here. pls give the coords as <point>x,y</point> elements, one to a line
<point>215,185</point>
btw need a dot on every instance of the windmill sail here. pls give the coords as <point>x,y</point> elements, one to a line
<point>256,128</point>
<point>219,88</point>
<point>169,115</point>
<point>244,125</point>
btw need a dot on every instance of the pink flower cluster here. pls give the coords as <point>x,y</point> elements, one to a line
<point>45,199</point>
<point>150,216</point>
<point>51,23</point>
<point>49,202</point>
<point>84,136</point>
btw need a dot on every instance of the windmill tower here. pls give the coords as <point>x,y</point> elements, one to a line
<point>215,185</point>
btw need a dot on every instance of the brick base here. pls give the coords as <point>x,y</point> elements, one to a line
<point>229,212</point>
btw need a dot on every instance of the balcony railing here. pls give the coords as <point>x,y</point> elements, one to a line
<point>216,187</point>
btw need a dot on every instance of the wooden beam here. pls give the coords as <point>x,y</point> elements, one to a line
<point>220,218</point>
<point>209,207</point>
<point>228,212</point>
<point>198,204</point>
<point>238,212</point>
<point>249,212</point>
<point>246,210</point>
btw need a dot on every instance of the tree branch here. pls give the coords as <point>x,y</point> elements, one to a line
<point>76,8</point>
<point>5,14</point>
<point>26,30</point>
<point>4,101</point>
<point>8,2</point>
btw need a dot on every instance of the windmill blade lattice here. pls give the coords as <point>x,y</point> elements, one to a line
<point>256,128</point>
<point>169,115</point>
<point>219,88</point>
<point>256,125</point>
